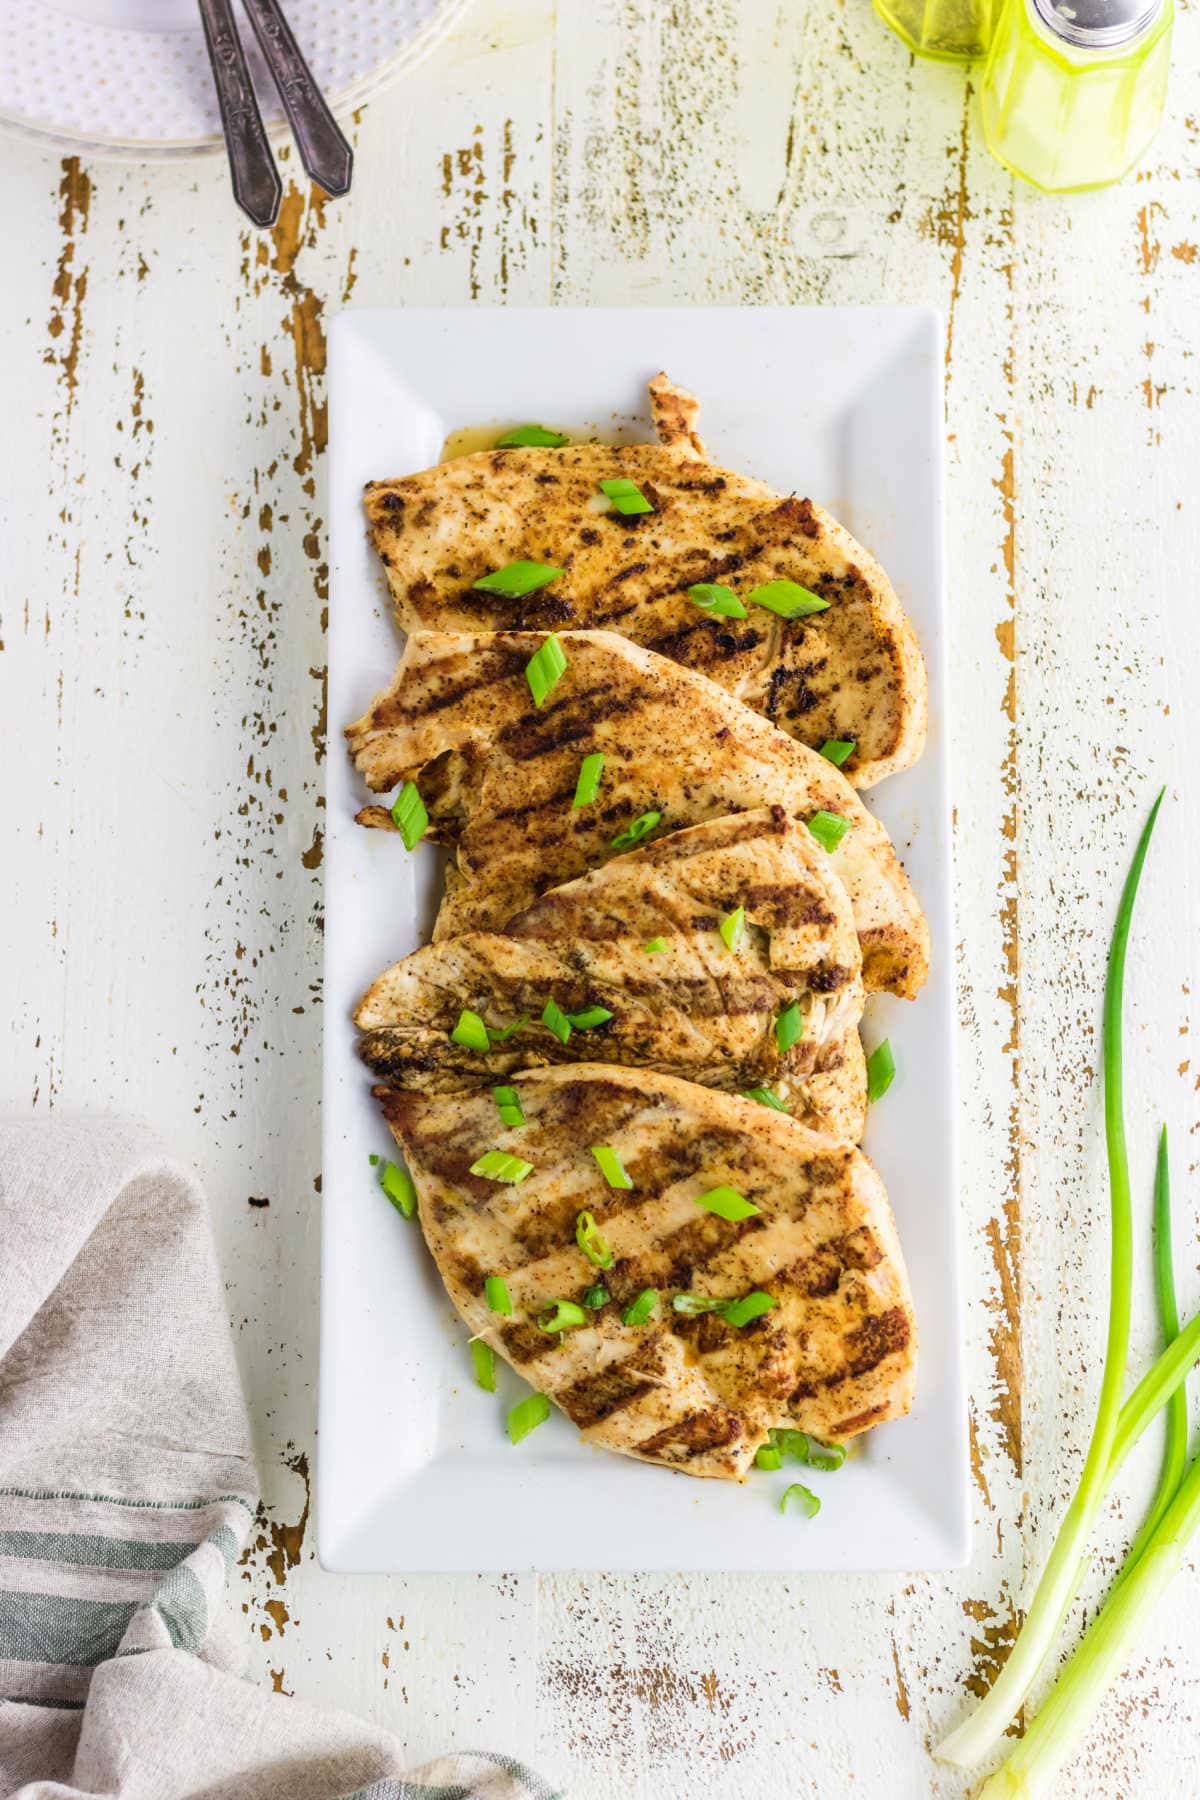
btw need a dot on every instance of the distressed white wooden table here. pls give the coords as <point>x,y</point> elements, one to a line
<point>161,683</point>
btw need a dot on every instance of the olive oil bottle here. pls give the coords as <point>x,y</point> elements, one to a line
<point>1074,90</point>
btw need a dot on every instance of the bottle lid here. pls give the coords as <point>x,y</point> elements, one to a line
<point>1097,24</point>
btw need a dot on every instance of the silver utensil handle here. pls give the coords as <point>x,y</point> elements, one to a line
<point>256,184</point>
<point>326,155</point>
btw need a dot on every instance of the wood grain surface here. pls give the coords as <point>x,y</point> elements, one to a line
<point>162,698</point>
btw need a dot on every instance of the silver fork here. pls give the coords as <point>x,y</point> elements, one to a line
<point>324,152</point>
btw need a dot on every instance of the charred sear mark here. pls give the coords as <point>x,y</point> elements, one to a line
<point>879,1336</point>
<point>589,1402</point>
<point>566,721</point>
<point>491,668</point>
<point>710,1429</point>
<point>789,695</point>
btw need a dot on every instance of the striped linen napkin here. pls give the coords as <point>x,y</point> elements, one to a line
<point>127,1488</point>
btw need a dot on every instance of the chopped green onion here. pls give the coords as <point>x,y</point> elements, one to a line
<point>495,1290</point>
<point>399,1187</point>
<point>595,1247</point>
<point>641,827</point>
<point>497,1165</point>
<point>826,1456</point>
<point>626,495</point>
<point>733,928</point>
<point>527,1415</point>
<point>484,1358</point>
<point>560,1315</point>
<point>531,437</point>
<point>801,1448</point>
<point>1059,1580</point>
<point>589,1018</point>
<point>471,1032</point>
<point>588,785</point>
<point>516,579</point>
<point>881,1070</point>
<point>654,946</point>
<point>596,1297</point>
<point>788,599</point>
<point>508,1103</point>
<point>714,597</point>
<point>643,1307</point>
<point>789,1027</point>
<point>727,1203</point>
<point>838,750</point>
<point>766,1097</point>
<point>373,1160</point>
<point>545,669</point>
<point>556,1020</point>
<point>804,1497</point>
<point>409,815</point>
<point>752,1306</point>
<point>734,1312</point>
<point>611,1166</point>
<point>509,1030</point>
<point>767,1457</point>
<point>829,828</point>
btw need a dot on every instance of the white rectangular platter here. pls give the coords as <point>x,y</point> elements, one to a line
<point>415,1471</point>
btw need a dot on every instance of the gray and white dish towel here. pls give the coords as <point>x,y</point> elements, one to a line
<point>127,1489</point>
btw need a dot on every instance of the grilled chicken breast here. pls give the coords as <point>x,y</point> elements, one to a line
<point>692,1006</point>
<point>498,774</point>
<point>853,672</point>
<point>834,1356</point>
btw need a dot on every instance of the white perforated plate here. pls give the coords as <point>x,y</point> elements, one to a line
<point>132,77</point>
<point>414,1470</point>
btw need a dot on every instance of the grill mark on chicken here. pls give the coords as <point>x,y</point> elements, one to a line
<point>553,803</point>
<point>788,693</point>
<point>860,1421</point>
<point>691,1393</point>
<point>681,1259</point>
<point>524,1344</point>
<point>704,646</point>
<point>699,1432</point>
<point>563,722</point>
<point>496,664</point>
<point>821,1272</point>
<point>854,671</point>
<point>860,1249</point>
<point>869,1345</point>
<point>597,1397</point>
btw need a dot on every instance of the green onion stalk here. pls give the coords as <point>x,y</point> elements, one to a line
<point>1157,1387</point>
<point>1175,1446</point>
<point>1060,1579</point>
<point>1068,1711</point>
<point>1154,1556</point>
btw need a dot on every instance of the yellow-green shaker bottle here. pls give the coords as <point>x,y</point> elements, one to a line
<point>948,30</point>
<point>1074,90</point>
